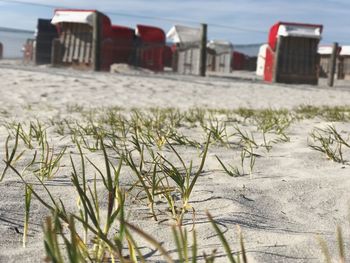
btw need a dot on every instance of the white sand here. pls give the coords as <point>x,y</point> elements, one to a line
<point>294,194</point>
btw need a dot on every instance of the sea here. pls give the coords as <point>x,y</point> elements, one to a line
<point>13,41</point>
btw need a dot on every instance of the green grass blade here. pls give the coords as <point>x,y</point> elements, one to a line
<point>194,180</point>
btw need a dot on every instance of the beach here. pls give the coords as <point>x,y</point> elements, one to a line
<point>292,197</point>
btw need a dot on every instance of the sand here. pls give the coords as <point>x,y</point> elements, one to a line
<point>293,195</point>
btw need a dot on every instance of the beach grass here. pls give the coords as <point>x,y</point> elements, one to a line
<point>146,143</point>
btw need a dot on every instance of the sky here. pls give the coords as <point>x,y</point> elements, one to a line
<point>238,21</point>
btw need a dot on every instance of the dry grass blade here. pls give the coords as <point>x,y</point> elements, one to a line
<point>222,239</point>
<point>324,249</point>
<point>241,242</point>
<point>151,240</point>
<point>179,245</point>
<point>340,245</point>
<point>51,243</point>
<point>194,246</point>
<point>76,249</point>
<point>28,198</point>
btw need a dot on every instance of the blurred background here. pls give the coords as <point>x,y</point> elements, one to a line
<point>243,23</point>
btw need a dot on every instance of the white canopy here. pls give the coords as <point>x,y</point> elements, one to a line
<point>325,50</point>
<point>184,34</point>
<point>299,31</point>
<point>220,46</point>
<point>83,17</point>
<point>345,51</point>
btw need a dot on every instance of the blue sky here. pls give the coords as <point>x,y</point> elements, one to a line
<point>247,20</point>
